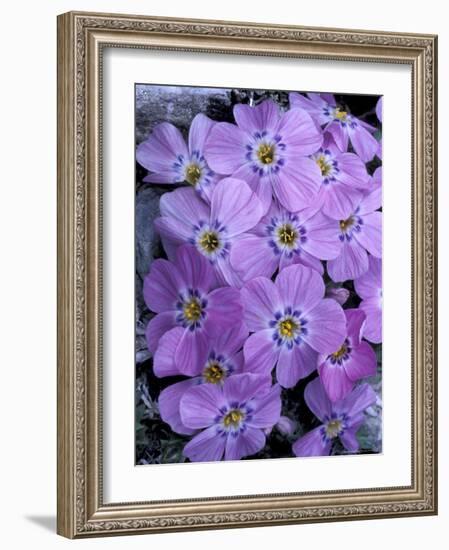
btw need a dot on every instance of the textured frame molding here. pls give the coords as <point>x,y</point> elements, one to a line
<point>81,37</point>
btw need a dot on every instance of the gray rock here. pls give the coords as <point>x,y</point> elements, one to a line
<point>147,248</point>
<point>177,105</point>
<point>147,241</point>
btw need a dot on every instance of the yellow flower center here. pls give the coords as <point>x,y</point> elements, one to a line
<point>339,354</point>
<point>288,327</point>
<point>192,310</point>
<point>287,235</point>
<point>346,224</point>
<point>340,114</point>
<point>265,153</point>
<point>209,241</point>
<point>324,166</point>
<point>193,174</point>
<point>214,373</point>
<point>333,428</point>
<point>233,418</point>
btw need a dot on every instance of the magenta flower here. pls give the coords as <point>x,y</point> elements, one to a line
<point>353,360</point>
<point>343,179</point>
<point>234,209</point>
<point>360,233</point>
<point>283,238</point>
<point>343,126</point>
<point>270,152</point>
<point>369,288</point>
<point>181,293</point>
<point>291,322</point>
<point>224,358</point>
<point>339,420</point>
<point>232,417</point>
<point>168,158</point>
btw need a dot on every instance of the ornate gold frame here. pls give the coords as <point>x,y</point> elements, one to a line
<point>81,37</point>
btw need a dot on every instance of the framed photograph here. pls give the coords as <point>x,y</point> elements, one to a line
<point>246,274</point>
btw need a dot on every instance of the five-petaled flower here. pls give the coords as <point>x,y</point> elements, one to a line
<point>341,419</point>
<point>343,126</point>
<point>359,233</point>
<point>232,417</point>
<point>170,160</point>
<point>270,151</point>
<point>283,238</point>
<point>343,180</point>
<point>182,294</point>
<point>213,229</point>
<point>353,360</point>
<point>224,359</point>
<point>292,322</point>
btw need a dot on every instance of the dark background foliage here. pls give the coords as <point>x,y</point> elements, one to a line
<point>155,441</point>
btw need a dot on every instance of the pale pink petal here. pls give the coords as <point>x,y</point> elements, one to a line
<point>261,300</point>
<point>199,131</point>
<point>365,145</point>
<point>164,357</point>
<point>260,352</point>
<point>200,405</point>
<point>185,206</point>
<point>303,258</point>
<point>231,340</point>
<point>339,134</point>
<point>300,287</point>
<point>162,148</point>
<point>354,322</point>
<point>370,235</point>
<point>349,440</point>
<point>322,237</point>
<point>175,231</point>
<point>191,352</point>
<point>252,257</point>
<point>299,133</point>
<point>267,409</point>
<point>225,148</point>
<point>357,401</point>
<point>312,444</point>
<point>235,206</point>
<point>295,364</point>
<point>339,200</point>
<point>352,171</point>
<point>169,400</point>
<point>373,327</point>
<point>371,201</point>
<point>197,272</point>
<point>161,286</point>
<point>297,184</point>
<point>260,185</point>
<point>361,363</point>
<point>264,116</point>
<point>317,400</point>
<point>350,264</point>
<point>224,310</point>
<point>245,443</point>
<point>207,446</point>
<point>335,380</point>
<point>241,388</point>
<point>326,326</point>
<point>158,326</point>
<point>369,285</point>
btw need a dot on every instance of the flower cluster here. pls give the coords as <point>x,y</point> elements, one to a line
<point>273,222</point>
